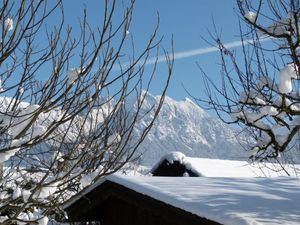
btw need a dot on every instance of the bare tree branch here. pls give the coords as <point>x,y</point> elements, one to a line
<point>69,108</point>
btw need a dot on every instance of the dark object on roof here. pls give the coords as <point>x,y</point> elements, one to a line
<point>174,165</point>
<point>175,169</point>
<point>110,203</point>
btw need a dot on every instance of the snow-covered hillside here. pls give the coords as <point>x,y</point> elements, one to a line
<point>185,127</point>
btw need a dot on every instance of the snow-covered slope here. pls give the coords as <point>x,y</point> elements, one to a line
<point>185,127</point>
<point>204,167</point>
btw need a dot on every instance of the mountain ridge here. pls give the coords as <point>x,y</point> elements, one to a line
<point>185,127</point>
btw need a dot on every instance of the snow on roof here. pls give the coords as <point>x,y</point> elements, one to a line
<point>234,201</point>
<point>228,168</point>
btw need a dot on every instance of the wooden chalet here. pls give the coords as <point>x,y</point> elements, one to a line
<point>146,200</point>
<point>111,203</point>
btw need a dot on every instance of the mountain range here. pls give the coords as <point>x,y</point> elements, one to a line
<point>183,126</point>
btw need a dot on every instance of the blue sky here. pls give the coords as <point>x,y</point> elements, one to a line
<point>187,22</point>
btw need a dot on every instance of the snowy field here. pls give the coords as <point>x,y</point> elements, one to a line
<point>231,168</point>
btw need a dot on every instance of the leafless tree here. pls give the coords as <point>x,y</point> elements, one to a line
<point>259,86</point>
<point>69,104</point>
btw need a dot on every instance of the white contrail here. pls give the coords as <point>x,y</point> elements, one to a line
<point>198,51</point>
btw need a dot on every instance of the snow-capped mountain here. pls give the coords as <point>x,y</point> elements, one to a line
<point>182,126</point>
<point>185,127</point>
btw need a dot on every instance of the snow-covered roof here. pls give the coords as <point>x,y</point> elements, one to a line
<point>225,200</point>
<point>228,168</point>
